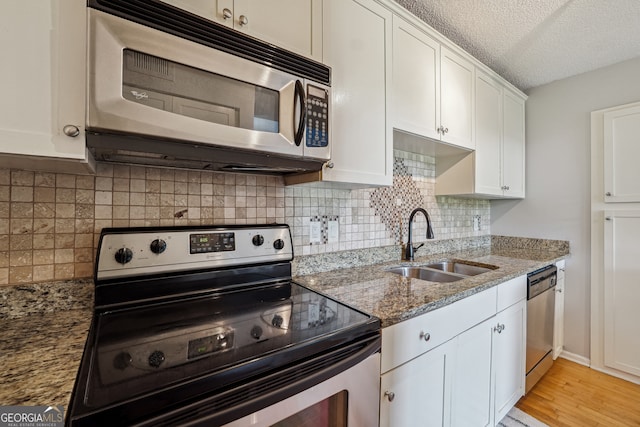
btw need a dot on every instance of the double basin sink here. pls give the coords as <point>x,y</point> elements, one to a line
<point>445,271</point>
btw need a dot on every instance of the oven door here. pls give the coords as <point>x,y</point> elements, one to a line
<point>350,398</point>
<point>146,82</point>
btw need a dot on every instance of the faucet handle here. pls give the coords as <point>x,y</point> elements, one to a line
<point>415,248</point>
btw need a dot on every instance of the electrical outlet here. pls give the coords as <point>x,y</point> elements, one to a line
<point>476,222</point>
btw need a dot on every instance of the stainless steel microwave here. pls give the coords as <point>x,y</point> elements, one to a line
<point>223,101</point>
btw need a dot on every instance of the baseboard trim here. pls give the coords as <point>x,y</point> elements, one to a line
<point>576,358</point>
<point>618,374</point>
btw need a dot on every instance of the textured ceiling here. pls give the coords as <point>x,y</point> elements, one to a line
<point>534,42</point>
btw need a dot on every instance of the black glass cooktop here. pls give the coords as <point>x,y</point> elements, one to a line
<point>226,336</point>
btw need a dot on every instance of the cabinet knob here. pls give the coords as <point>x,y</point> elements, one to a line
<point>243,20</point>
<point>329,165</point>
<point>608,194</point>
<point>226,13</point>
<point>499,328</point>
<point>390,395</point>
<point>608,218</point>
<point>445,130</point>
<point>425,336</point>
<point>559,291</point>
<point>71,130</point>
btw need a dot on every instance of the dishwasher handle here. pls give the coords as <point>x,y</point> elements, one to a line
<point>541,281</point>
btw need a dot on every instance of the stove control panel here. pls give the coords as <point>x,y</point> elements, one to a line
<point>124,253</point>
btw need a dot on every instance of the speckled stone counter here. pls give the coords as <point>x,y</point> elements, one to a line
<point>394,298</point>
<point>45,325</point>
<point>44,329</point>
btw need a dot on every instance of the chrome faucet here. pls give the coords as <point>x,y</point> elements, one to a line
<point>410,251</point>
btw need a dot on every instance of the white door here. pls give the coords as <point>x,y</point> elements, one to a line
<point>621,291</point>
<point>456,99</point>
<point>558,319</point>
<point>488,154</point>
<point>471,401</point>
<point>513,149</point>
<point>621,153</point>
<point>418,393</point>
<point>416,92</point>
<point>509,357</point>
<point>357,46</point>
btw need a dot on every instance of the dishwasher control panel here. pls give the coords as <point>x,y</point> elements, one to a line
<point>541,280</point>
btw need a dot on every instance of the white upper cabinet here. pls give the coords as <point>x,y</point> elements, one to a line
<point>513,145</point>
<point>497,167</point>
<point>360,59</point>
<point>43,81</point>
<point>416,80</point>
<point>432,87</point>
<point>621,153</point>
<point>295,25</point>
<point>456,103</point>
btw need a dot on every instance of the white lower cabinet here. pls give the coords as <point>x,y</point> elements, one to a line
<point>473,378</point>
<point>509,334</point>
<point>471,402</point>
<point>417,393</point>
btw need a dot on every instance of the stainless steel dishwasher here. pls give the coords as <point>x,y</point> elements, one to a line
<point>541,298</point>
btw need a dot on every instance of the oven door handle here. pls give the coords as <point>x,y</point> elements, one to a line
<point>299,96</point>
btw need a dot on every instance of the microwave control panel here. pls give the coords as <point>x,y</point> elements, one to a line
<point>317,116</point>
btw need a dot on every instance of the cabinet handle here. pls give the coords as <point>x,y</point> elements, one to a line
<point>608,194</point>
<point>71,130</point>
<point>559,291</point>
<point>425,336</point>
<point>226,14</point>
<point>608,218</point>
<point>390,395</point>
<point>243,20</point>
<point>499,328</point>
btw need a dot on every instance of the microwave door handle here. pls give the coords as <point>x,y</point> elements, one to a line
<point>299,96</point>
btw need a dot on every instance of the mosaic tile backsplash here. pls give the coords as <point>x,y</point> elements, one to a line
<point>50,223</point>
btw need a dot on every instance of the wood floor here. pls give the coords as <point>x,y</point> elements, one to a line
<point>572,395</point>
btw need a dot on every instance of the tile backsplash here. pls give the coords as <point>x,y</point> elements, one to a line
<point>50,222</point>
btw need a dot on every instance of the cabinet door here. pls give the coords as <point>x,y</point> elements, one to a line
<point>621,153</point>
<point>621,291</point>
<point>558,319</point>
<point>513,153</point>
<point>416,89</point>
<point>509,357</point>
<point>488,154</point>
<point>43,83</point>
<point>360,57</point>
<point>421,390</point>
<point>295,25</point>
<point>471,395</point>
<point>456,99</point>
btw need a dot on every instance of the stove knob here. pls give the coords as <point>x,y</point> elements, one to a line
<point>278,244</point>
<point>122,360</point>
<point>258,240</point>
<point>256,332</point>
<point>158,246</point>
<point>124,255</point>
<point>156,358</point>
<point>277,320</point>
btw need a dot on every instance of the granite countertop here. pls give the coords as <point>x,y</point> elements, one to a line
<point>44,326</point>
<point>394,298</point>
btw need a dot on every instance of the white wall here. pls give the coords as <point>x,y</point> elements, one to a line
<point>557,204</point>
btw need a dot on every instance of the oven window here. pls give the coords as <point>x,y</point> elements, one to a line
<point>188,91</point>
<point>331,412</point>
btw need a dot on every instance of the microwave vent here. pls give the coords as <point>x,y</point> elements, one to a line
<point>148,64</point>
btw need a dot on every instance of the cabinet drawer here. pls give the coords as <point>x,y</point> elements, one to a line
<point>511,292</point>
<point>406,340</point>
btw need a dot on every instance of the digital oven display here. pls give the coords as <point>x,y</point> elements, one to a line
<point>212,242</point>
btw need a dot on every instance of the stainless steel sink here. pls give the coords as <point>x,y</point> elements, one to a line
<point>459,268</point>
<point>444,271</point>
<point>425,274</point>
